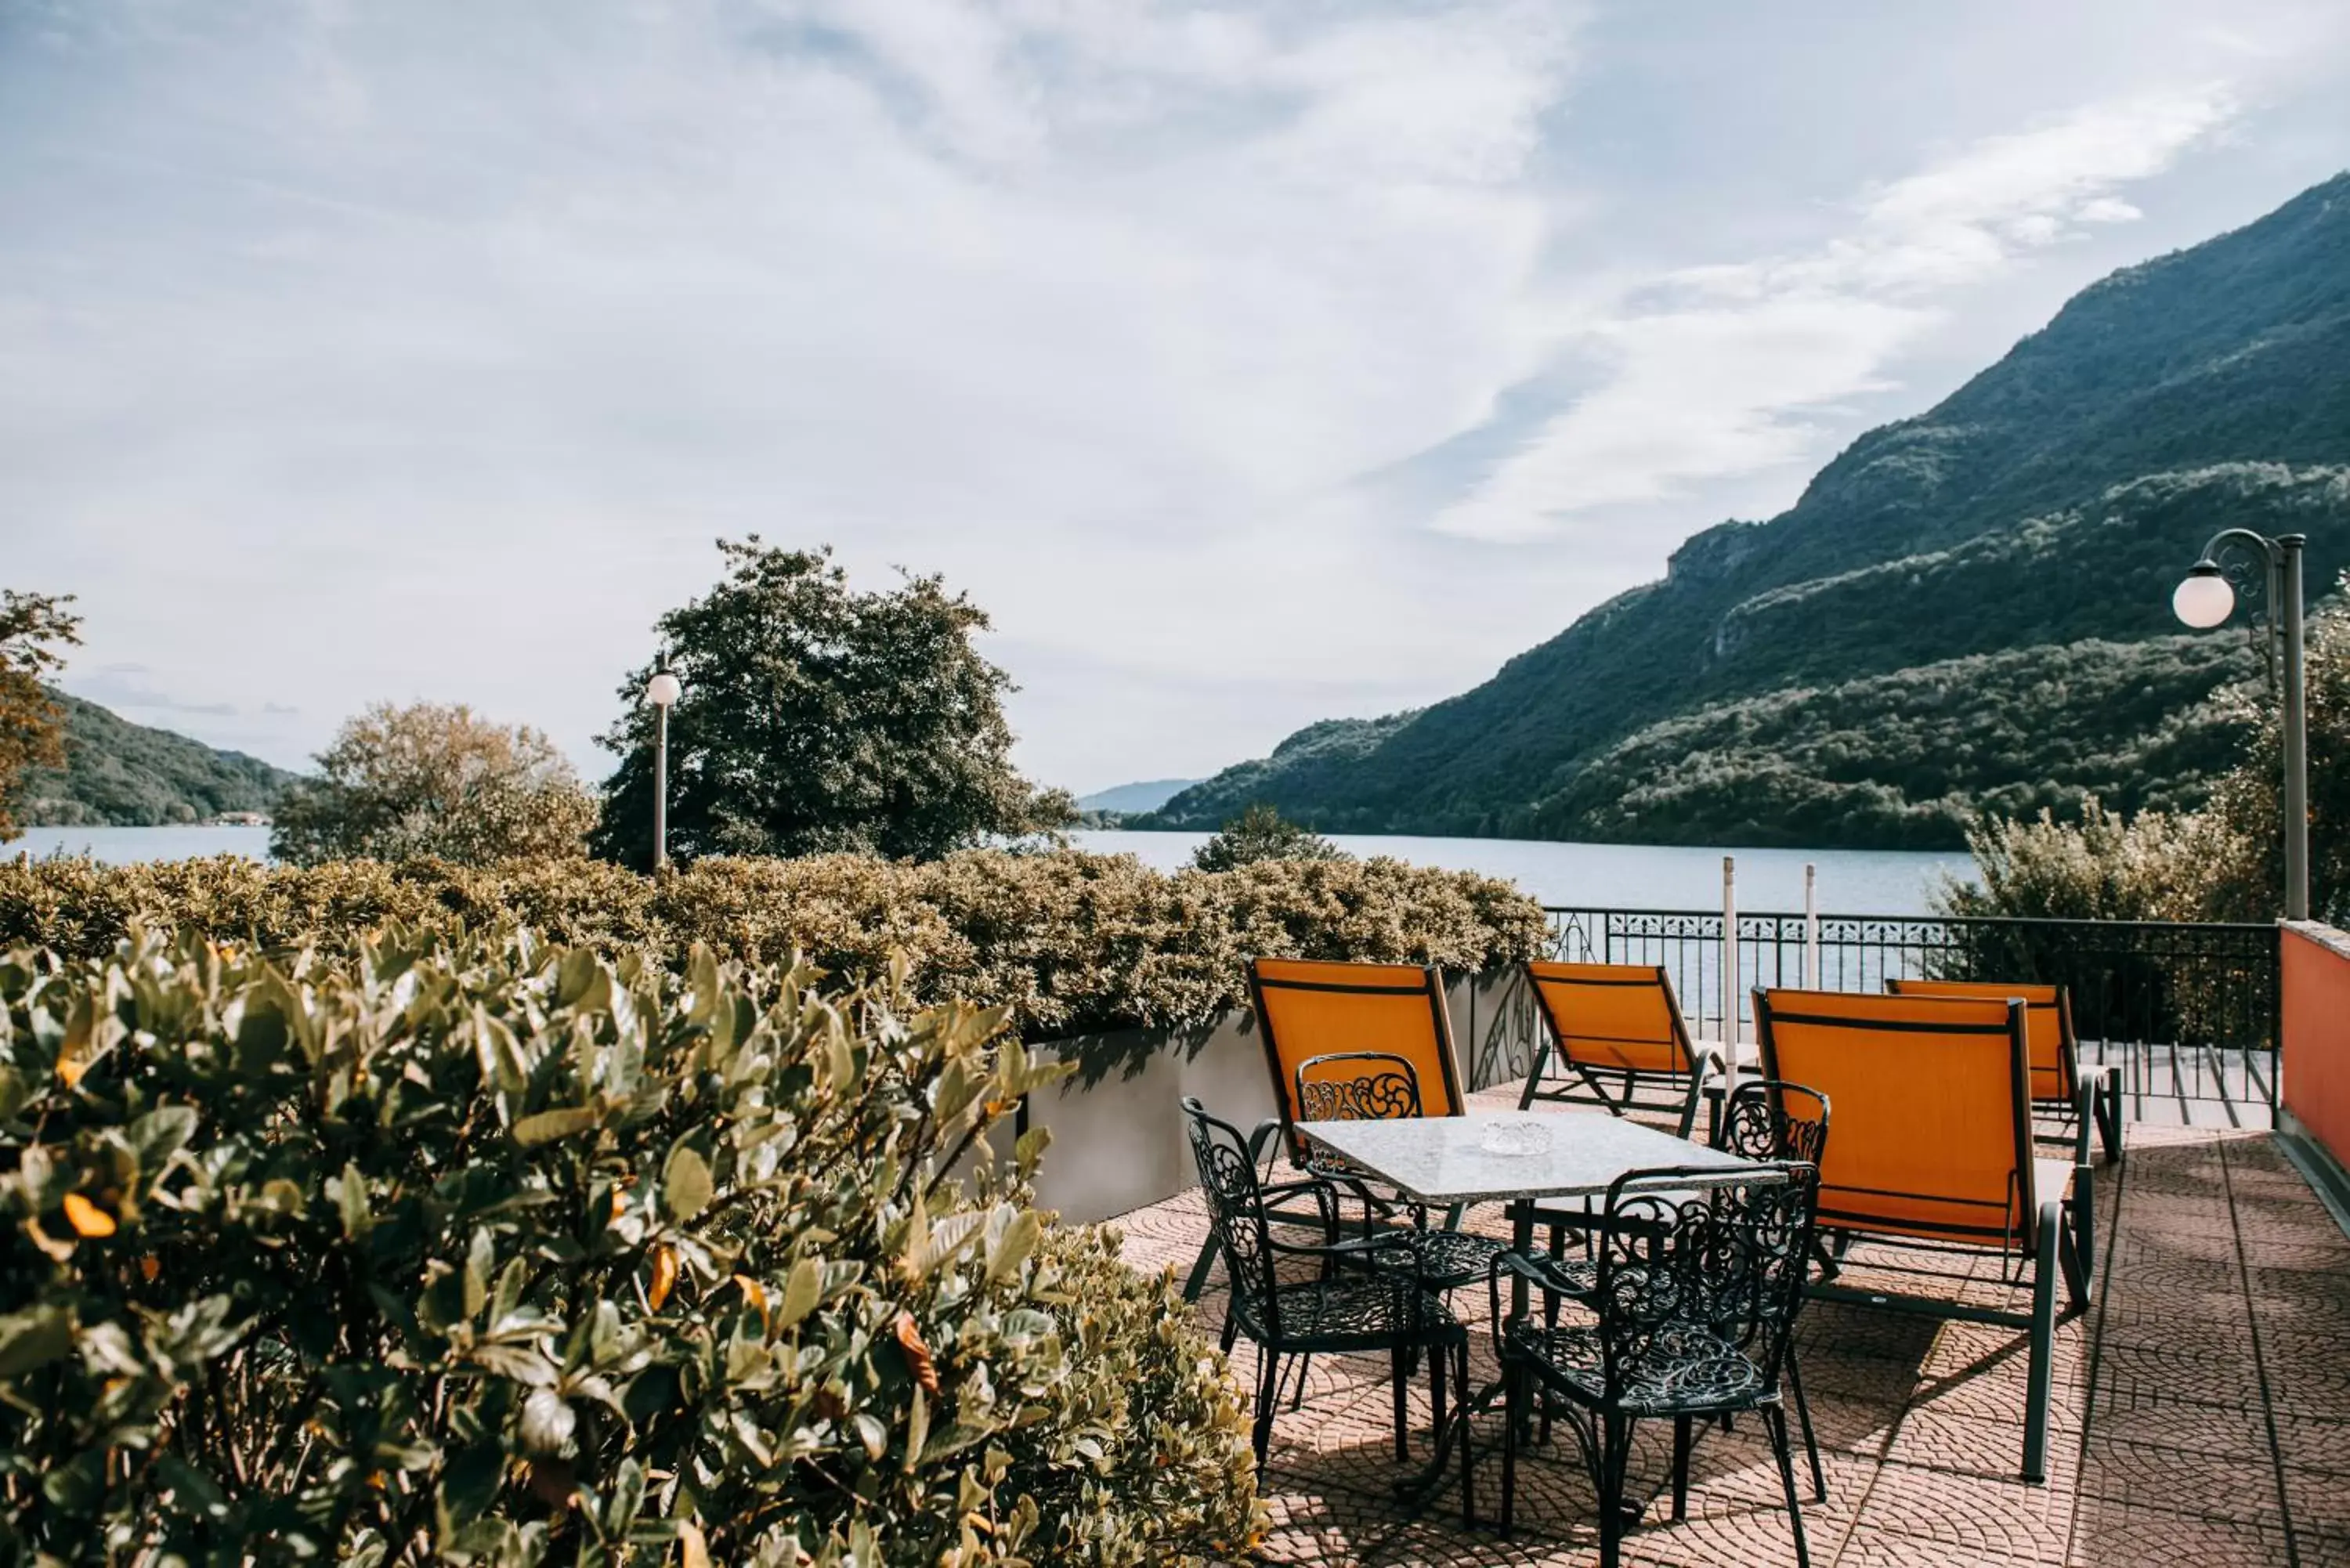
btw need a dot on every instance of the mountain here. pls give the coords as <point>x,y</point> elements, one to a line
<point>121,775</point>
<point>1147,796</point>
<point>1968,609</point>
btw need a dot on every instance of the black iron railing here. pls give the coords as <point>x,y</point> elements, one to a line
<point>2189,1011</point>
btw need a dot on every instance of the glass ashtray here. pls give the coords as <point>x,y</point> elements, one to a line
<point>1513,1137</point>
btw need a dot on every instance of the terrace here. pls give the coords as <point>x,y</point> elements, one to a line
<point>2203,1404</point>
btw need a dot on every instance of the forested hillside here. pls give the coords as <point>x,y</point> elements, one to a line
<point>1965,609</point>
<point>121,775</point>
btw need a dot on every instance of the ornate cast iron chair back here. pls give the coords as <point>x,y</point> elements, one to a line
<point>1235,1209</point>
<point>1768,1120</point>
<point>1727,1259</point>
<point>1357,1086</point>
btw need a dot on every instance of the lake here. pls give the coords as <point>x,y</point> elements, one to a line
<point>1603,876</point>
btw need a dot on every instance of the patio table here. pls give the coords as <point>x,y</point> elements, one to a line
<point>1518,1158</point>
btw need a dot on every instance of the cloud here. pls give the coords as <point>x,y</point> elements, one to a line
<point>384,352</point>
<point>126,686</point>
<point>1719,370</point>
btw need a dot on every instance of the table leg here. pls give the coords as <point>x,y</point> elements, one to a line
<point>1421,1485</point>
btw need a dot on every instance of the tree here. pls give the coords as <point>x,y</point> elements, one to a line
<point>32,727</point>
<point>2225,862</point>
<point>434,780</point>
<point>1261,833</point>
<point>818,718</point>
<point>2247,806</point>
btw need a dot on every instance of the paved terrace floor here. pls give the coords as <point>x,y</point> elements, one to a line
<point>2201,1412</point>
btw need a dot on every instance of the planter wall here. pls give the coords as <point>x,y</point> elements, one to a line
<point>1118,1142</point>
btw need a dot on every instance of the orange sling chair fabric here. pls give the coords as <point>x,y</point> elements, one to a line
<point>1933,1129</point>
<point>1621,1017</point>
<point>1311,1007</point>
<point>2047,1027</point>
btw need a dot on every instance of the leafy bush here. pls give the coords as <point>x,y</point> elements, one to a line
<point>2105,866</point>
<point>1071,943</point>
<point>1261,833</point>
<point>430,779</point>
<point>478,1250</point>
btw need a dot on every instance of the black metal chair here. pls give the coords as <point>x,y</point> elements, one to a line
<point>1342,1309</point>
<point>1377,1086</point>
<point>1763,1119</point>
<point>1695,1302</point>
<point>1766,1118</point>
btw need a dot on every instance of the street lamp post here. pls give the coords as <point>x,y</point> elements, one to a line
<point>2203,600</point>
<point>662,692</point>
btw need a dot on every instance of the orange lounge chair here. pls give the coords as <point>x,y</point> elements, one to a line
<point>1933,1149</point>
<point>1309,1009</point>
<point>2057,1076</point>
<point>1621,1019</point>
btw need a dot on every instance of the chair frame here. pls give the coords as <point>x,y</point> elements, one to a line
<point>1226,1159</point>
<point>1439,1018</point>
<point>2103,1081</point>
<point>1703,1060</point>
<point>1431,985</point>
<point>1471,1253</point>
<point>1652,1218</point>
<point>2058,1234</point>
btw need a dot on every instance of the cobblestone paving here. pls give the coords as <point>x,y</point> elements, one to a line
<point>2202,1410</point>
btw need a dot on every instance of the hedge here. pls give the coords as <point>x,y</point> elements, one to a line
<point>1071,943</point>
<point>482,1250</point>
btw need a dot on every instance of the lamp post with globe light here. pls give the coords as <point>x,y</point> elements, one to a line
<point>2203,600</point>
<point>662,692</point>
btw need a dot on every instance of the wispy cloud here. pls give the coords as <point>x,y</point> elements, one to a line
<point>362,352</point>
<point>1722,369</point>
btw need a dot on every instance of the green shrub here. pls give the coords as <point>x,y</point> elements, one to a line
<point>1261,833</point>
<point>478,1250</point>
<point>1071,943</point>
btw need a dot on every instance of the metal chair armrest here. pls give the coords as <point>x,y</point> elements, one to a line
<point>1704,1062</point>
<point>2086,1083</point>
<point>1363,1249</point>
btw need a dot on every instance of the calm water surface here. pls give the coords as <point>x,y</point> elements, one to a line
<point>1632,875</point>
<point>1608,876</point>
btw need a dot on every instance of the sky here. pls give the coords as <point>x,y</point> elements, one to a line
<point>1250,365</point>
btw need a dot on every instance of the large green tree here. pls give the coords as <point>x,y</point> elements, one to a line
<point>817,718</point>
<point>438,779</point>
<point>32,627</point>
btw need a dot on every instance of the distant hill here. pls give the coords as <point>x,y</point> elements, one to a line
<point>121,775</point>
<point>1148,795</point>
<point>1968,609</point>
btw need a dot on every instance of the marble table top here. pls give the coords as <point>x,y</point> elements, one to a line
<point>1496,1156</point>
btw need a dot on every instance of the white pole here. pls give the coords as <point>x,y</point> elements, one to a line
<point>1729,960</point>
<point>1811,927</point>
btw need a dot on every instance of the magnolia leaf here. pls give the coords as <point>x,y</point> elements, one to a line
<point>546,1424</point>
<point>87,1218</point>
<point>664,1277</point>
<point>802,1290</point>
<point>480,1258</point>
<point>872,1434</point>
<point>917,1428</point>
<point>545,1126</point>
<point>33,1338</point>
<point>942,1242</point>
<point>512,1281</point>
<point>685,1183</point>
<point>160,1134</point>
<point>350,1196</point>
<point>917,1352</point>
<point>1010,1248</point>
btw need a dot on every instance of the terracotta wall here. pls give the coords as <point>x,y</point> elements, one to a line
<point>2317,1088</point>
